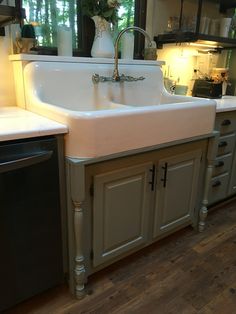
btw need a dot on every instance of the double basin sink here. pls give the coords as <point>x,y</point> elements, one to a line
<point>107,117</point>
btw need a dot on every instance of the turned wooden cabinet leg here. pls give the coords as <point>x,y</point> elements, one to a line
<point>203,216</point>
<point>79,271</point>
<point>211,154</point>
<point>204,211</point>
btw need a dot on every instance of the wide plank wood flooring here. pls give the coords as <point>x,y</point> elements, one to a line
<point>186,273</point>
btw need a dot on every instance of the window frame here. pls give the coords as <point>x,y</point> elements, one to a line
<point>86,36</point>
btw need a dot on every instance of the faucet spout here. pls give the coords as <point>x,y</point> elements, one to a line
<point>116,76</point>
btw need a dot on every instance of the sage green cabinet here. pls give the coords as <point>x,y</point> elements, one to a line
<point>117,206</point>
<point>121,207</point>
<point>134,205</point>
<point>223,182</point>
<point>176,191</point>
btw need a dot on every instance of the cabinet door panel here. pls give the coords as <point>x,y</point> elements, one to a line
<point>174,204</point>
<point>121,208</point>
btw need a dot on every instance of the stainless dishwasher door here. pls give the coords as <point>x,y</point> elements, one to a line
<point>30,220</point>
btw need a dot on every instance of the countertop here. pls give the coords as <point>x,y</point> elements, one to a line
<point>16,123</point>
<point>226,103</point>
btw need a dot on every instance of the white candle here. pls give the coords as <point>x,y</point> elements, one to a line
<point>225,26</point>
<point>127,51</point>
<point>64,41</point>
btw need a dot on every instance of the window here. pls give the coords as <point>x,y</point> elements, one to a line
<point>47,15</point>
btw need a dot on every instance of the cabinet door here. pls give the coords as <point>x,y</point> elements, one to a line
<point>176,191</point>
<point>120,211</point>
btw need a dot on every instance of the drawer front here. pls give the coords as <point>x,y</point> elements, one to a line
<point>226,144</point>
<point>225,123</point>
<point>222,164</point>
<point>218,188</point>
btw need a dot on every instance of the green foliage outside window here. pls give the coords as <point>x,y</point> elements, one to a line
<point>126,14</point>
<point>46,15</point>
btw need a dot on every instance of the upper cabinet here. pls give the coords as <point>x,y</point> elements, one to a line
<point>10,15</point>
<point>206,22</point>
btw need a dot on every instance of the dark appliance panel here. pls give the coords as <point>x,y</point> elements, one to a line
<point>30,220</point>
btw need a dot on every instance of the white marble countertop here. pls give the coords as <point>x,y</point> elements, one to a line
<point>226,103</point>
<point>16,123</point>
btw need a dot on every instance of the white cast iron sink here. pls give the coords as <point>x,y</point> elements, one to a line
<point>107,118</point>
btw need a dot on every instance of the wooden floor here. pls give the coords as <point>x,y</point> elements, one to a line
<point>185,273</point>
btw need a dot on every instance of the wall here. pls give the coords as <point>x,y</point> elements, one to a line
<point>7,92</point>
<point>181,60</point>
<point>232,72</point>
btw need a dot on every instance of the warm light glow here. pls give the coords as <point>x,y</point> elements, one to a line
<point>204,45</point>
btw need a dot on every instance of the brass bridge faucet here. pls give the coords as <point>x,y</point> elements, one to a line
<point>116,77</point>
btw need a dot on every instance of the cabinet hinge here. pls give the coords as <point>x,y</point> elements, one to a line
<point>91,190</point>
<point>91,254</point>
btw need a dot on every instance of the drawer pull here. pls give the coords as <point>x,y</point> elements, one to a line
<point>217,183</point>
<point>222,144</point>
<point>226,122</point>
<point>219,164</point>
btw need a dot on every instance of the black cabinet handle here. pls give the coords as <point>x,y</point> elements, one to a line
<point>164,179</point>
<point>226,122</point>
<point>222,144</point>
<point>152,182</point>
<point>216,183</point>
<point>219,164</point>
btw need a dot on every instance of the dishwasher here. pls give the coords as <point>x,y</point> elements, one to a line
<point>31,259</point>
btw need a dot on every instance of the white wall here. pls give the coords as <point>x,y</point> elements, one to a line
<point>7,92</point>
<point>181,60</point>
<point>232,71</point>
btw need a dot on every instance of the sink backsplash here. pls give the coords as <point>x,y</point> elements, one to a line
<point>63,84</point>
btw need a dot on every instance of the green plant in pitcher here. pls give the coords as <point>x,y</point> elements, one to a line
<point>107,9</point>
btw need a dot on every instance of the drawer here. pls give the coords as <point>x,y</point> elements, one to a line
<point>225,123</point>
<point>226,144</point>
<point>218,188</point>
<point>222,164</point>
